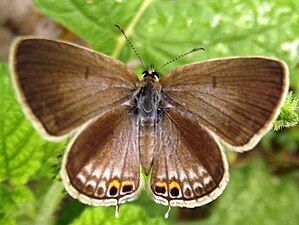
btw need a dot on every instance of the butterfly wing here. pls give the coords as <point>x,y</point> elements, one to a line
<point>62,85</point>
<point>236,98</point>
<point>189,168</point>
<point>101,165</point>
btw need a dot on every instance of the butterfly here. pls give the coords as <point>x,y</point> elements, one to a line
<point>171,127</point>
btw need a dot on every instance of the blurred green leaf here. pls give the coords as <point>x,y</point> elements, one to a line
<point>70,209</point>
<point>24,156</point>
<point>128,214</point>
<point>17,142</point>
<point>22,151</point>
<point>11,198</point>
<point>289,139</point>
<point>256,197</point>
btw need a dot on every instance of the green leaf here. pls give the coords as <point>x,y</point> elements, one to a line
<point>129,214</point>
<point>289,116</point>
<point>24,155</point>
<point>11,198</point>
<point>22,151</point>
<point>253,196</point>
<point>161,30</point>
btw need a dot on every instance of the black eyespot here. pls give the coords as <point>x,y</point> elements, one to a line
<point>160,190</point>
<point>113,191</point>
<point>174,191</point>
<point>127,188</point>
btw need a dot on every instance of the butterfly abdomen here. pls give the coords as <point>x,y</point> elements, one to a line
<point>146,147</point>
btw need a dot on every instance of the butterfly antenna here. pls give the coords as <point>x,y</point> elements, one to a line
<point>130,43</point>
<point>181,56</point>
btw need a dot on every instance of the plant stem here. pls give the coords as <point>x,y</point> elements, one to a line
<point>49,204</point>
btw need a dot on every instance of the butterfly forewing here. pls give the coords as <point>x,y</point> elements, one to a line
<point>101,165</point>
<point>189,168</point>
<point>236,98</point>
<point>62,85</point>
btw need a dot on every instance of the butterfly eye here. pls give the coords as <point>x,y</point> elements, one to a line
<point>156,75</point>
<point>145,72</point>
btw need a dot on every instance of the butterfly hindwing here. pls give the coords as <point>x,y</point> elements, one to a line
<point>189,168</point>
<point>101,165</point>
<point>236,98</point>
<point>61,86</point>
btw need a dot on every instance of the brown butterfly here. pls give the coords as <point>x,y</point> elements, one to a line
<point>169,127</point>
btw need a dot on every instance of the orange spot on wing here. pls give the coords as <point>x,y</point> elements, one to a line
<point>161,184</point>
<point>174,184</point>
<point>114,183</point>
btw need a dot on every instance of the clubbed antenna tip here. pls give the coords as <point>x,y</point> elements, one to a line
<point>198,49</point>
<point>117,26</point>
<point>181,56</point>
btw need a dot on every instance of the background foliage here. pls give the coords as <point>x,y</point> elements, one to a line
<point>263,188</point>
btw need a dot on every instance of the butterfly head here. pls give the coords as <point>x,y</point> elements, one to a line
<point>150,73</point>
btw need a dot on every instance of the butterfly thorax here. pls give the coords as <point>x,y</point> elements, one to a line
<point>147,100</point>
